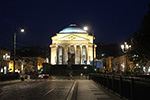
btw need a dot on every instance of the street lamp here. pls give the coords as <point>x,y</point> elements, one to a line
<point>125,47</point>
<point>93,47</point>
<point>85,28</point>
<point>22,30</point>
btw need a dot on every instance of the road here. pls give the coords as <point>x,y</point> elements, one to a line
<point>37,90</point>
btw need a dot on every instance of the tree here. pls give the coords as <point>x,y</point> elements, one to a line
<point>140,42</point>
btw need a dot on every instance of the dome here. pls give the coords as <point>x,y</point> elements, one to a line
<point>73,29</point>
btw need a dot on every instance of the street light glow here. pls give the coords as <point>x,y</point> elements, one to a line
<point>127,47</point>
<point>85,67</point>
<point>122,46</point>
<point>22,29</point>
<point>85,28</point>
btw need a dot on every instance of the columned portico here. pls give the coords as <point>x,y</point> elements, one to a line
<point>71,44</point>
<point>78,53</point>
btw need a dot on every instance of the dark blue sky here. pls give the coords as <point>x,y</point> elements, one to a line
<point>113,20</point>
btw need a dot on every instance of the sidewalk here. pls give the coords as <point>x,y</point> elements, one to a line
<point>13,81</point>
<point>88,90</point>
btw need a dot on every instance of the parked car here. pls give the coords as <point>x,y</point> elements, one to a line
<point>45,75</point>
<point>40,76</point>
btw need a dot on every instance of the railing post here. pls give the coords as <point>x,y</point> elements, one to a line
<point>120,86</point>
<point>97,79</point>
<point>104,80</point>
<point>107,82</point>
<point>101,80</point>
<point>132,88</point>
<point>113,84</point>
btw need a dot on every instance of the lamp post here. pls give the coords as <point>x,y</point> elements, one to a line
<point>93,47</point>
<point>86,28</point>
<point>125,47</point>
<point>22,30</point>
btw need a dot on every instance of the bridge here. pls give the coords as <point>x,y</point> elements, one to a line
<point>54,89</point>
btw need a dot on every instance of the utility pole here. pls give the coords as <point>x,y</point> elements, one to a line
<point>93,46</point>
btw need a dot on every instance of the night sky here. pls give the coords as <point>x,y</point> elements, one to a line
<point>113,21</point>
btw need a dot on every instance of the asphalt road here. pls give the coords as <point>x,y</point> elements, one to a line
<point>37,90</point>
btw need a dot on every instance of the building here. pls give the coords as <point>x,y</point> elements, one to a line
<point>107,64</point>
<point>32,64</point>
<point>116,64</point>
<point>119,64</point>
<point>30,59</point>
<point>27,65</point>
<point>4,60</point>
<point>18,64</point>
<point>72,44</point>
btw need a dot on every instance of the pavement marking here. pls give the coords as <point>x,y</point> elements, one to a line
<point>59,87</point>
<point>69,96</point>
<point>47,93</point>
<point>104,99</point>
<point>99,93</point>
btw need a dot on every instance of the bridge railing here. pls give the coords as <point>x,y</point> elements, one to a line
<point>7,77</point>
<point>132,88</point>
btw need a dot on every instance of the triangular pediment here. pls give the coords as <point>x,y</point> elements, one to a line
<point>72,37</point>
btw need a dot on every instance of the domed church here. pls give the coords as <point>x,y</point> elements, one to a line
<point>72,44</point>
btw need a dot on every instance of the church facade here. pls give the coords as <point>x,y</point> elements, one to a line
<point>72,45</point>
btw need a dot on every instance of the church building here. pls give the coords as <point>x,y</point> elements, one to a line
<point>72,44</point>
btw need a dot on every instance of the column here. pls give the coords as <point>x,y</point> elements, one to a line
<point>62,55</point>
<point>65,54</point>
<point>57,54</point>
<point>68,54</point>
<point>75,53</point>
<point>94,51</point>
<point>67,47</point>
<point>81,54</point>
<point>87,54</point>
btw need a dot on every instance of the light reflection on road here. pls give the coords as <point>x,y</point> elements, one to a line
<point>35,90</point>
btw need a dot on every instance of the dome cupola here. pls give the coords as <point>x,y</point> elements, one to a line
<point>72,28</point>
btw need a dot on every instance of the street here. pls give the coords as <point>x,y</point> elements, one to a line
<point>58,89</point>
<point>36,90</point>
